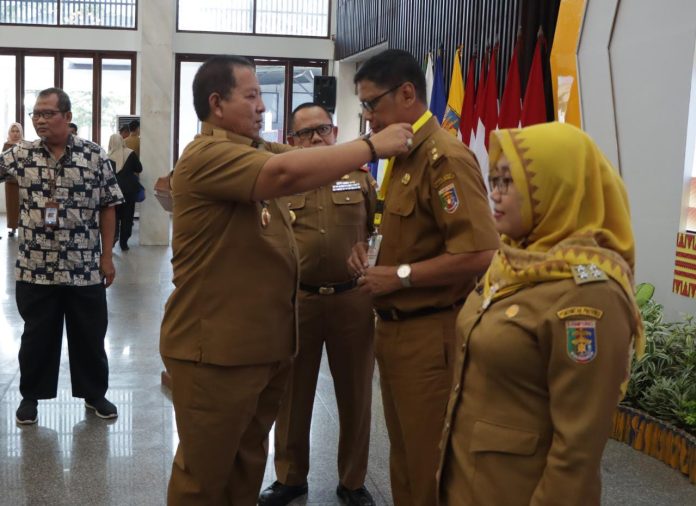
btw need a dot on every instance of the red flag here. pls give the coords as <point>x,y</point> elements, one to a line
<point>511,105</point>
<point>490,120</point>
<point>480,105</point>
<point>467,124</point>
<point>534,105</point>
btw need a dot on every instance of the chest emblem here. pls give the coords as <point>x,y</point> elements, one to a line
<point>449,198</point>
<point>406,179</point>
<point>581,340</point>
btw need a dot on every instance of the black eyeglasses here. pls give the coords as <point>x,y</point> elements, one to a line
<point>500,183</point>
<point>44,114</point>
<point>371,105</point>
<point>308,133</point>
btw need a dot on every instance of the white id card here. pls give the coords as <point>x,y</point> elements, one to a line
<point>373,245</point>
<point>51,215</point>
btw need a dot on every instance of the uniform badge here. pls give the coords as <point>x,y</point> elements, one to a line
<point>293,216</point>
<point>512,311</point>
<point>581,337</point>
<point>588,273</point>
<point>406,179</point>
<point>568,312</point>
<point>449,198</point>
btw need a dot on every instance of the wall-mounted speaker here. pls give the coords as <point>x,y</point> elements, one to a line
<point>325,92</point>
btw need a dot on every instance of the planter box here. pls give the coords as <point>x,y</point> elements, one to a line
<point>656,438</point>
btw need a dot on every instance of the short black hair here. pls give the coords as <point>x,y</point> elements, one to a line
<point>73,125</point>
<point>216,75</point>
<point>64,104</point>
<point>133,125</point>
<point>123,128</point>
<point>392,67</point>
<point>307,105</point>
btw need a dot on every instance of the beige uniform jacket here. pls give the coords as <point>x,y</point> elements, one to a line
<point>328,221</point>
<point>235,260</point>
<point>436,203</point>
<point>537,379</point>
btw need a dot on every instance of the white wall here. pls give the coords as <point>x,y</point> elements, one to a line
<point>637,108</point>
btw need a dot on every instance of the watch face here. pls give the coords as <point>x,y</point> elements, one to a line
<point>403,271</point>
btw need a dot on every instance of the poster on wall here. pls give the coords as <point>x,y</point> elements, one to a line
<point>685,266</point>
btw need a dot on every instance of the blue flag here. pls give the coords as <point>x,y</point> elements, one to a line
<point>438,100</point>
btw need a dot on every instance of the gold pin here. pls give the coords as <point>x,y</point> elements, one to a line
<point>345,176</point>
<point>293,216</point>
<point>406,179</point>
<point>512,311</point>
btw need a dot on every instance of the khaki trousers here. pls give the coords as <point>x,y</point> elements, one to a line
<point>345,324</point>
<point>415,360</point>
<point>223,416</point>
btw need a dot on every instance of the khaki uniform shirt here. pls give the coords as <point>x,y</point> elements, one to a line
<point>537,380</point>
<point>235,272</point>
<point>436,203</point>
<point>133,142</point>
<point>328,222</point>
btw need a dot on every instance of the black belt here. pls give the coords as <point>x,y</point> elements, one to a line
<point>394,315</point>
<point>330,288</point>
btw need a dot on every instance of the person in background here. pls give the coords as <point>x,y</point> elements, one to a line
<point>127,167</point>
<point>332,312</point>
<point>437,237</point>
<point>123,132</point>
<point>133,139</point>
<point>73,128</point>
<point>14,136</point>
<point>543,342</point>
<point>64,263</point>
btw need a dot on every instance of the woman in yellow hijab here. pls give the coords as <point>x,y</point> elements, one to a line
<point>544,341</point>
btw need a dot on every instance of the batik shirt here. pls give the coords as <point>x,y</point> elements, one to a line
<point>81,182</point>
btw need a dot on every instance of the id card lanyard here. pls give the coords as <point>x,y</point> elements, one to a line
<point>375,240</point>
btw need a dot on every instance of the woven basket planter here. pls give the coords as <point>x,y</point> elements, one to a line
<point>656,438</point>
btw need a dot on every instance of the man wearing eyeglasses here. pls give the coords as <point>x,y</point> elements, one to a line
<point>437,236</point>
<point>333,312</point>
<point>68,196</point>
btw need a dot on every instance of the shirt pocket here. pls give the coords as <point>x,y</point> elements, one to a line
<point>350,207</point>
<point>508,455</point>
<point>295,202</point>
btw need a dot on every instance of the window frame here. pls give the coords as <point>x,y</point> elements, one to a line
<point>58,23</point>
<point>253,32</point>
<point>59,56</point>
<point>288,63</point>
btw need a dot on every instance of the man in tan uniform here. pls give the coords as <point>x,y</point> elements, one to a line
<point>133,139</point>
<point>438,235</point>
<point>332,311</point>
<point>228,332</point>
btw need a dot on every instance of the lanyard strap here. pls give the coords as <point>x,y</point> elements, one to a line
<point>382,194</point>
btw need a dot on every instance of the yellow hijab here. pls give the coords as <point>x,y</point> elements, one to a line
<point>575,205</point>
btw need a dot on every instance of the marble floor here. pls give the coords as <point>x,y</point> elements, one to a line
<point>72,457</point>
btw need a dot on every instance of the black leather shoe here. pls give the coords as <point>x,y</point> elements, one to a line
<point>27,413</point>
<point>357,497</point>
<point>280,495</point>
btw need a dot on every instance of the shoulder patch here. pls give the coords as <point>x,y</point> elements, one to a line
<point>588,273</point>
<point>448,198</point>
<point>579,311</point>
<point>443,179</point>
<point>581,340</point>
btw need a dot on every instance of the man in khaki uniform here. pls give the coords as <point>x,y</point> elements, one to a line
<point>133,139</point>
<point>228,332</point>
<point>438,235</point>
<point>332,311</point>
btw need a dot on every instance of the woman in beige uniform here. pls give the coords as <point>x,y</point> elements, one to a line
<point>14,135</point>
<point>544,341</point>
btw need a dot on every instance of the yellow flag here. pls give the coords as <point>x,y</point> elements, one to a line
<point>455,101</point>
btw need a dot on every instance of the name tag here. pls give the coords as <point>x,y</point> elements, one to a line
<point>373,245</point>
<point>51,214</point>
<point>344,186</point>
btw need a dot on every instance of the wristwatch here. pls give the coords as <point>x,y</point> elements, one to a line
<point>403,272</point>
